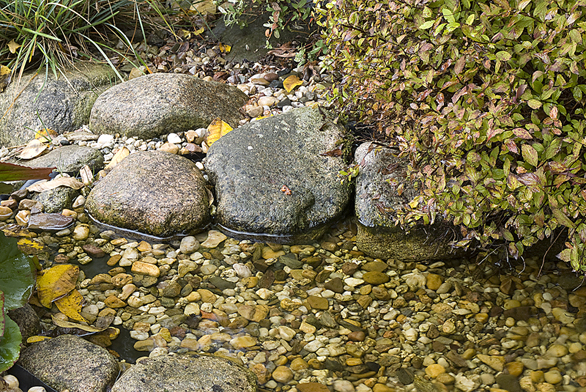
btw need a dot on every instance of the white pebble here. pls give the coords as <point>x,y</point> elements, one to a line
<point>11,381</point>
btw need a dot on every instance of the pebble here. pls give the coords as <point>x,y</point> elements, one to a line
<point>282,374</point>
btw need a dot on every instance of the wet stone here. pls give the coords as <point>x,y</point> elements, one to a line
<point>222,284</point>
<point>49,222</point>
<point>51,361</point>
<point>336,285</point>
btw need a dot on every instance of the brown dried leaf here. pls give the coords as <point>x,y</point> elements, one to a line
<point>33,149</point>
<point>69,182</point>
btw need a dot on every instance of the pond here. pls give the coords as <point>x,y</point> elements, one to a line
<point>326,313</point>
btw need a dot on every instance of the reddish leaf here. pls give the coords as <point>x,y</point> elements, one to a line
<point>10,172</point>
<point>522,133</point>
<point>332,153</point>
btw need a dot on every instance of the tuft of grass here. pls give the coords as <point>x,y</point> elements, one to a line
<point>53,34</point>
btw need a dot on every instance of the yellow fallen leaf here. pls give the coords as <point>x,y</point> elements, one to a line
<point>13,46</point>
<point>37,338</point>
<point>216,130</point>
<point>291,82</point>
<point>118,157</point>
<point>45,135</point>
<point>55,282</point>
<point>70,305</point>
<point>42,186</point>
<point>4,70</point>
<point>203,7</point>
<point>68,324</point>
<point>30,246</point>
<point>225,48</point>
<point>33,149</point>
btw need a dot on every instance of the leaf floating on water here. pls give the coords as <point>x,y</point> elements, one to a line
<point>216,130</point>
<point>30,246</point>
<point>291,82</point>
<point>33,149</point>
<point>55,282</point>
<point>70,305</point>
<point>57,182</point>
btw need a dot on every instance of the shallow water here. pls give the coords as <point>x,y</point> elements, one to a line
<point>447,325</point>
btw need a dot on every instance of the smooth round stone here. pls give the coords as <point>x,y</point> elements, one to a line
<point>152,192</point>
<point>243,342</point>
<point>282,374</point>
<point>81,232</point>
<point>433,281</point>
<point>189,245</point>
<point>5,213</point>
<point>317,302</point>
<point>557,350</point>
<point>343,386</point>
<point>434,370</point>
<point>552,377</point>
<point>515,368</point>
<point>298,364</point>
<point>357,336</point>
<point>375,277</point>
<point>174,138</point>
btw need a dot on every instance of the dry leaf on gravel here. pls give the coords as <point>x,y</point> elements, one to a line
<point>33,149</point>
<point>216,130</point>
<point>57,182</point>
<point>291,82</point>
<point>55,282</point>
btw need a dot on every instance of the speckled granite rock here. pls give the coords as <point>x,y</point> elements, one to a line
<point>55,200</point>
<point>155,104</point>
<point>63,104</point>
<point>70,362</point>
<point>273,177</point>
<point>377,199</point>
<point>28,321</point>
<point>69,159</point>
<point>155,193</point>
<point>179,373</point>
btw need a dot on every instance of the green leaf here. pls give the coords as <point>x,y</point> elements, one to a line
<point>562,218</point>
<point>534,104</point>
<point>529,154</point>
<point>2,314</point>
<point>427,25</point>
<point>18,274</point>
<point>503,56</point>
<point>9,345</point>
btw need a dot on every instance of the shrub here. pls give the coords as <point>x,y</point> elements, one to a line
<point>283,14</point>
<point>486,101</point>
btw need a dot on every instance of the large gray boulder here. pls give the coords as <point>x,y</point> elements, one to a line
<point>155,193</point>
<point>156,104</point>
<point>62,104</point>
<point>70,362</point>
<point>179,373</point>
<point>274,178</point>
<point>378,199</point>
